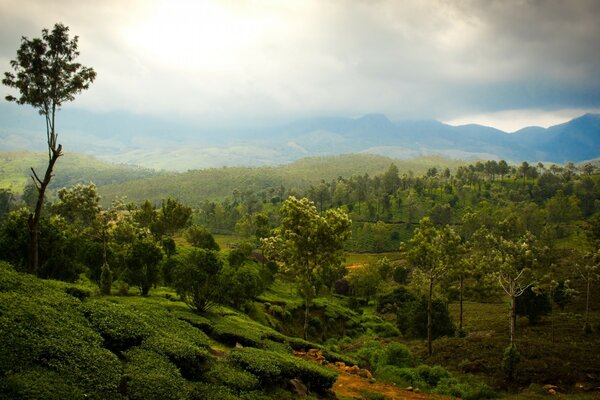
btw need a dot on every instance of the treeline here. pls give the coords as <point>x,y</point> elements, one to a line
<point>385,208</point>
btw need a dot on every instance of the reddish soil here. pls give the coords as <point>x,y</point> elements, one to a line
<point>353,386</point>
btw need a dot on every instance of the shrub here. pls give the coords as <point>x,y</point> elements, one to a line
<point>466,391</point>
<point>271,367</point>
<point>151,376</point>
<point>395,354</point>
<point>120,327</point>
<point>106,279</point>
<point>510,360</point>
<point>38,384</point>
<point>78,292</point>
<point>224,374</point>
<point>198,236</point>
<point>432,375</point>
<point>42,331</point>
<point>210,391</point>
<point>189,358</point>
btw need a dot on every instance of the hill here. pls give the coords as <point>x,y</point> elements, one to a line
<point>173,145</point>
<point>70,169</point>
<point>193,187</point>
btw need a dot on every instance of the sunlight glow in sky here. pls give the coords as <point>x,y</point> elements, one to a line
<point>507,64</point>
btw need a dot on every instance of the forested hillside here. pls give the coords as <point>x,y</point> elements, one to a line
<point>194,187</point>
<point>386,253</point>
<point>15,170</point>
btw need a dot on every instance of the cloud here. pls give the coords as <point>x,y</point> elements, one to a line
<point>232,61</point>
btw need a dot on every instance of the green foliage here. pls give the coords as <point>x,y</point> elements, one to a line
<point>309,244</point>
<point>199,236</point>
<point>78,292</point>
<point>395,354</point>
<point>412,319</point>
<point>271,367</point>
<point>78,205</point>
<point>210,391</point>
<point>142,262</point>
<point>57,246</point>
<point>510,361</point>
<point>172,216</point>
<point>120,327</point>
<point>196,279</point>
<point>151,376</point>
<point>44,337</point>
<point>534,305</point>
<point>186,355</point>
<point>464,390</point>
<point>106,279</point>
<point>365,281</point>
<point>243,283</point>
<point>226,375</point>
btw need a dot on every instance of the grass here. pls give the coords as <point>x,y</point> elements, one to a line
<point>555,351</point>
<point>368,258</point>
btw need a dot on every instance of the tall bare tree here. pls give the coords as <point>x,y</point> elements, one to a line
<point>46,76</point>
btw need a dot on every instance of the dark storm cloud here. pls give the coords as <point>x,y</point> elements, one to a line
<point>229,61</point>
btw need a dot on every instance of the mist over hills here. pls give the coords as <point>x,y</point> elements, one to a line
<point>178,145</point>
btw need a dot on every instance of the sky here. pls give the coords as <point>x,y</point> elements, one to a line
<point>507,64</point>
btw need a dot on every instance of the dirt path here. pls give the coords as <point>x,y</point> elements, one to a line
<point>354,387</point>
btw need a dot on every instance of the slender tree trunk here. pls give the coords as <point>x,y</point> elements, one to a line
<point>34,219</point>
<point>513,318</point>
<point>429,318</point>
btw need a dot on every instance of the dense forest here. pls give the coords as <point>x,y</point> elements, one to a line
<point>395,279</point>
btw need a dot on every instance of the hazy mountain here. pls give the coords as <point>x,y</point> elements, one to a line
<point>177,145</point>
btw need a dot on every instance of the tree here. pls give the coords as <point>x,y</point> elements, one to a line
<point>172,216</point>
<point>78,205</point>
<point>365,281</point>
<point>199,236</point>
<point>195,278</point>
<point>512,263</point>
<point>433,253</point>
<point>142,264</point>
<point>307,242</point>
<point>589,272</point>
<point>46,76</point>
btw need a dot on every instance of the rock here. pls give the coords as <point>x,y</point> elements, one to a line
<point>365,373</point>
<point>409,389</point>
<point>340,364</point>
<point>417,390</point>
<point>298,387</point>
<point>551,391</point>
<point>299,353</point>
<point>238,346</point>
<point>353,369</point>
<point>313,352</point>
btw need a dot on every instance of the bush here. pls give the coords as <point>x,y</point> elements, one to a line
<point>466,391</point>
<point>38,384</point>
<point>198,236</point>
<point>189,358</point>
<point>78,292</point>
<point>226,375</point>
<point>210,391</point>
<point>271,367</point>
<point>120,327</point>
<point>151,376</point>
<point>510,360</point>
<point>42,331</point>
<point>395,354</point>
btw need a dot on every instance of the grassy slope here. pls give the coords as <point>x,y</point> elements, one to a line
<point>63,341</point>
<point>193,187</point>
<point>70,169</point>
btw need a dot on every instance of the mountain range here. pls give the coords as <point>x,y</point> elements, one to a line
<point>175,145</point>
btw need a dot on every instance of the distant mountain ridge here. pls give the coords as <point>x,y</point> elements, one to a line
<point>160,144</point>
